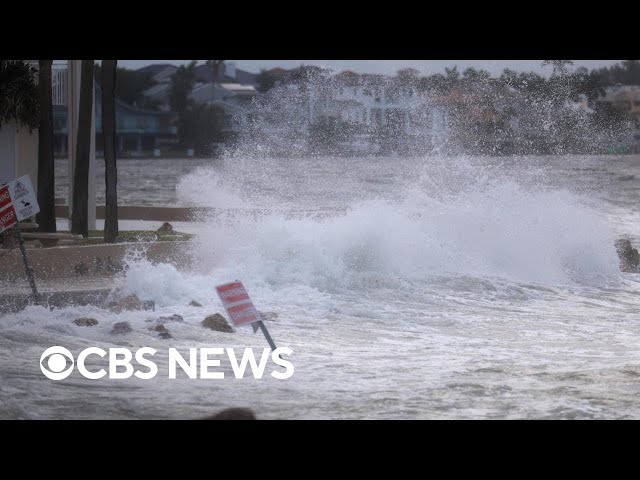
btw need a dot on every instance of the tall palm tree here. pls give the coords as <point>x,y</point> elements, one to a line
<point>109,69</point>
<point>215,65</point>
<point>46,165</point>
<point>79,216</point>
<point>559,66</point>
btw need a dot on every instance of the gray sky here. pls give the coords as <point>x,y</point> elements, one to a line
<point>495,67</point>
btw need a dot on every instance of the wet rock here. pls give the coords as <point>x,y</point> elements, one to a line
<point>233,414</point>
<point>629,257</point>
<point>130,302</point>
<point>149,305</point>
<point>166,229</point>
<point>85,322</point>
<point>173,318</point>
<point>193,303</point>
<point>121,328</point>
<point>268,316</point>
<point>217,323</point>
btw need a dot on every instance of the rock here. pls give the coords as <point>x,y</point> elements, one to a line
<point>268,316</point>
<point>162,330</point>
<point>217,323</point>
<point>130,302</point>
<point>629,257</point>
<point>85,322</point>
<point>173,318</point>
<point>233,414</point>
<point>121,328</point>
<point>193,303</point>
<point>149,305</point>
<point>166,229</point>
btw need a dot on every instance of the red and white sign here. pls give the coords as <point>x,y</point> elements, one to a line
<point>17,202</point>
<point>237,303</point>
<point>7,218</point>
<point>5,198</point>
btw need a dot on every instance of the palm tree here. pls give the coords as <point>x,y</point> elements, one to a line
<point>79,216</point>
<point>18,94</point>
<point>215,65</point>
<point>559,66</point>
<point>109,72</point>
<point>182,83</point>
<point>46,164</point>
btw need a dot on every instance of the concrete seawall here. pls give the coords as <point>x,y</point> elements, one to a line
<point>78,274</point>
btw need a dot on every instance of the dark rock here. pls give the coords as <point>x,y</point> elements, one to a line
<point>217,323</point>
<point>268,316</point>
<point>165,335</point>
<point>193,303</point>
<point>233,414</point>
<point>629,257</point>
<point>121,328</point>
<point>130,302</point>
<point>159,329</point>
<point>165,229</point>
<point>85,322</point>
<point>149,305</point>
<point>173,318</point>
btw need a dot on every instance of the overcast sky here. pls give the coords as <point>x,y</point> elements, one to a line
<point>495,67</point>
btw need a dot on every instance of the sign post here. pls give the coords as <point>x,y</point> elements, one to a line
<point>18,202</point>
<point>239,307</point>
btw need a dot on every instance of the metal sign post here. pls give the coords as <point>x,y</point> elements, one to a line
<point>27,267</point>
<point>18,202</point>
<point>263,327</point>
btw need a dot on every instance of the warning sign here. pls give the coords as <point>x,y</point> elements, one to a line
<point>7,218</point>
<point>19,190</point>
<point>5,198</point>
<point>23,197</point>
<point>237,303</point>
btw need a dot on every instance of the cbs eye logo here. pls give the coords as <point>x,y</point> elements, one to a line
<point>57,363</point>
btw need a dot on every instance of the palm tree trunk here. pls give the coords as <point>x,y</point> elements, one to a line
<point>46,165</point>
<point>79,216</point>
<point>109,136</point>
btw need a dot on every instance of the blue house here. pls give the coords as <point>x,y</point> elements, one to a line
<point>137,129</point>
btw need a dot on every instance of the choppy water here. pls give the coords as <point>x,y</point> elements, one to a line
<point>407,288</point>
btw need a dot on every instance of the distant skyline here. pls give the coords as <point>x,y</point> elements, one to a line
<point>495,67</point>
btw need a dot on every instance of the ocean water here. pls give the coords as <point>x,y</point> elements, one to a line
<point>407,288</point>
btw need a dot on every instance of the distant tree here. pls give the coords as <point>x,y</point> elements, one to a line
<point>560,67</point>
<point>182,84</point>
<point>19,94</point>
<point>199,126</point>
<point>46,164</point>
<point>307,73</point>
<point>472,75</point>
<point>109,87</point>
<point>452,74</point>
<point>409,76</point>
<point>79,216</point>
<point>131,86</point>
<point>215,65</point>
<point>266,80</point>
